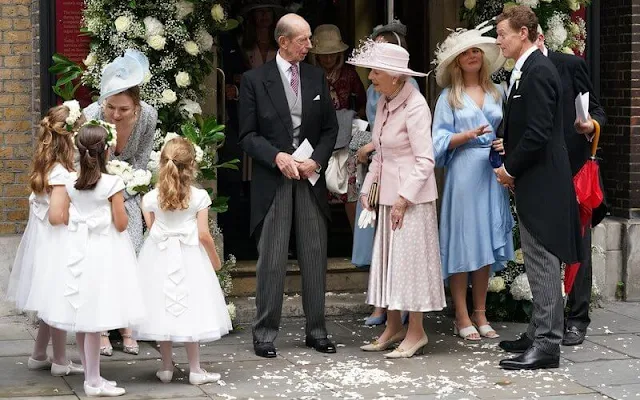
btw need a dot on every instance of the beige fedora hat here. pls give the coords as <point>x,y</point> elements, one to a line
<point>327,39</point>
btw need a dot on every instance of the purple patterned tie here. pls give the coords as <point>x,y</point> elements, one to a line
<point>294,78</point>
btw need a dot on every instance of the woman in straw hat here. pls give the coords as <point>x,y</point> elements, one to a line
<point>405,270</point>
<point>119,103</point>
<point>344,83</point>
<point>475,219</point>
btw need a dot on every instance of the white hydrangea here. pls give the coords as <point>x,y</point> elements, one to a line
<point>120,168</point>
<point>122,23</point>
<point>232,311</point>
<point>204,40</point>
<point>183,79</point>
<point>520,289</point>
<point>139,182</point>
<point>169,96</point>
<point>156,42</point>
<point>190,107</point>
<point>191,47</point>
<point>556,34</point>
<point>528,3</point>
<point>183,8</point>
<point>496,284</point>
<point>217,13</point>
<point>153,27</point>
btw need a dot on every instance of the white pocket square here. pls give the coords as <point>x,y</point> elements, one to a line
<point>316,98</point>
<point>516,96</point>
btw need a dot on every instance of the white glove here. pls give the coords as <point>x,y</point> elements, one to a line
<point>366,218</point>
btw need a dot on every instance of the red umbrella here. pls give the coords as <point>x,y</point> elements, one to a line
<point>589,196</point>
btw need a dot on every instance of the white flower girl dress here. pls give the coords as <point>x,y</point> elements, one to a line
<point>35,246</point>
<point>182,295</point>
<point>96,289</point>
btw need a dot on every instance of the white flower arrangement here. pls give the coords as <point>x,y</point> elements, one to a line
<point>183,9</point>
<point>169,96</point>
<point>154,161</point>
<point>90,59</point>
<point>156,42</point>
<point>231,308</point>
<point>192,48</point>
<point>190,108</point>
<point>529,3</point>
<point>153,27</point>
<point>136,181</point>
<point>217,13</point>
<point>520,289</point>
<point>496,284</point>
<point>112,135</point>
<point>122,23</point>
<point>74,113</point>
<point>183,79</point>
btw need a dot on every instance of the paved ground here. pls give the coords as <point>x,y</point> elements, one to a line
<point>606,366</point>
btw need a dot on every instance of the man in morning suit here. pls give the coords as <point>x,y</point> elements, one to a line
<point>281,104</point>
<point>578,136</point>
<point>537,168</point>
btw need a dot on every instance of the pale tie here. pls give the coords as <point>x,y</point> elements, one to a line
<point>295,78</point>
<point>512,81</point>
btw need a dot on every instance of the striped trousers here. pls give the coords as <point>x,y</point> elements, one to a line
<point>294,202</point>
<point>543,271</point>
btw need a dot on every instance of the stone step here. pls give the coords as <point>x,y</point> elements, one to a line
<point>336,304</point>
<point>342,277</point>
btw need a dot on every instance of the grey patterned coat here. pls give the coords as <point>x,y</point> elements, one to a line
<point>136,152</point>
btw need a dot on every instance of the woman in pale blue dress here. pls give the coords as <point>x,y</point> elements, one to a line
<point>475,219</point>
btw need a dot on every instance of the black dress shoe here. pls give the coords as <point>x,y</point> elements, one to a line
<point>264,349</point>
<point>516,346</point>
<point>573,336</point>
<point>533,358</point>
<point>323,345</point>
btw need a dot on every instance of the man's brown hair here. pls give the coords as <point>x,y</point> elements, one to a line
<point>521,16</point>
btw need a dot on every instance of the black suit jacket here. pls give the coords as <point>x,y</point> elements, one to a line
<point>536,155</point>
<point>575,79</point>
<point>266,129</point>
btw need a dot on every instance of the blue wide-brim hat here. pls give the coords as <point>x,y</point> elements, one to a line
<point>123,73</point>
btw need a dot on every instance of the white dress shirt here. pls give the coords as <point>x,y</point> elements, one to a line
<point>285,66</point>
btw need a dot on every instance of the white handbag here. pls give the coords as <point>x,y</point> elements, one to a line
<point>336,174</point>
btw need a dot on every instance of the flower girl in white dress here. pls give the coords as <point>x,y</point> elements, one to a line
<point>52,162</point>
<point>177,261</point>
<point>88,295</point>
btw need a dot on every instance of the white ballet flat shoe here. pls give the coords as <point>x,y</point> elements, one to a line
<point>104,390</point>
<point>64,370</point>
<point>164,376</point>
<point>112,383</point>
<point>204,377</point>
<point>34,364</point>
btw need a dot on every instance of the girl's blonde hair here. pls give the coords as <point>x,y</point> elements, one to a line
<point>456,89</point>
<point>54,145</point>
<point>177,169</point>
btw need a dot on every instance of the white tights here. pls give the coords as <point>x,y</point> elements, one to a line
<point>193,354</point>
<point>89,348</point>
<point>58,341</point>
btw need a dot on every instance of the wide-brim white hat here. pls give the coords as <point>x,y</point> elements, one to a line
<point>458,42</point>
<point>383,56</point>
<point>123,73</point>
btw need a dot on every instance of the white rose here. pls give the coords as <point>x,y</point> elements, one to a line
<point>183,8</point>
<point>469,4</point>
<point>190,107</point>
<point>154,161</point>
<point>496,284</point>
<point>217,13</point>
<point>204,40</point>
<point>191,47</point>
<point>90,60</point>
<point>169,136</point>
<point>199,153</point>
<point>183,79</point>
<point>568,50</point>
<point>153,27</point>
<point>147,77</point>
<point>510,64</point>
<point>126,175</point>
<point>519,257</point>
<point>574,5</point>
<point>122,23</point>
<point>168,96</point>
<point>156,42</point>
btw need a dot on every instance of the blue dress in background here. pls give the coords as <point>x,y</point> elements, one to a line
<point>475,219</point>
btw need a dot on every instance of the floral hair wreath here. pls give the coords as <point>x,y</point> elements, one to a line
<point>74,114</point>
<point>112,135</point>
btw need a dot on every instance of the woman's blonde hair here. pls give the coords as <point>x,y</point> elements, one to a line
<point>177,169</point>
<point>54,145</point>
<point>456,88</point>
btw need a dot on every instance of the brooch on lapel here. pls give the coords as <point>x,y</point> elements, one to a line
<point>517,74</point>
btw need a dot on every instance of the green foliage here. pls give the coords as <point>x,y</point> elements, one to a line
<point>68,74</point>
